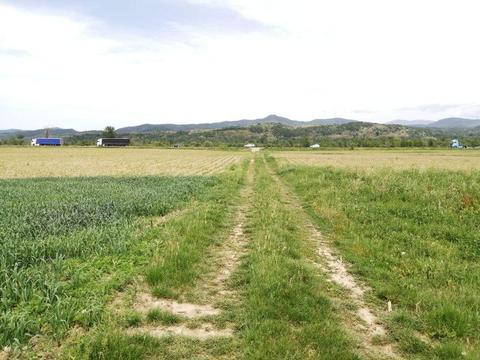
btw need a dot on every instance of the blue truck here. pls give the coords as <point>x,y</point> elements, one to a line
<point>47,142</point>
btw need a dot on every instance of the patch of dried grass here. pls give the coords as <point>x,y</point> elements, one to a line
<point>25,162</point>
<point>466,160</point>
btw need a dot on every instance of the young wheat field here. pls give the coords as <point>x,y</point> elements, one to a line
<point>209,254</point>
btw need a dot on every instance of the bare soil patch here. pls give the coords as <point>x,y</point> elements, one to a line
<point>203,332</point>
<point>5,354</point>
<point>145,302</point>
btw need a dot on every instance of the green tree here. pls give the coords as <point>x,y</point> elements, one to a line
<point>305,142</point>
<point>109,132</point>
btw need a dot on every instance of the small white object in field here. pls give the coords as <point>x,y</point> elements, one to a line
<point>417,307</point>
<point>389,306</point>
<point>403,253</point>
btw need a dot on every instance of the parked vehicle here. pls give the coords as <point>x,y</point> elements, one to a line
<point>47,142</point>
<point>113,142</point>
<point>455,144</point>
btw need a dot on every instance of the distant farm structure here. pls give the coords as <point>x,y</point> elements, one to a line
<point>113,142</point>
<point>47,141</point>
<point>455,144</point>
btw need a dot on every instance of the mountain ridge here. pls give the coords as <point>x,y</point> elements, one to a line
<point>274,119</point>
<point>455,122</point>
<point>410,122</point>
<point>447,123</point>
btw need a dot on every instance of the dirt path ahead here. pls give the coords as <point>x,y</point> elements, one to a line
<point>364,323</point>
<point>211,289</point>
<point>264,230</point>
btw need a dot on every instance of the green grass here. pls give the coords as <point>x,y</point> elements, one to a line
<point>37,214</point>
<point>68,246</point>
<point>163,317</point>
<point>186,240</point>
<point>132,319</point>
<point>65,244</point>
<point>115,345</point>
<point>176,258</point>
<point>414,237</point>
<point>285,313</point>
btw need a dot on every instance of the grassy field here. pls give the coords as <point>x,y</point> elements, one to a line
<point>59,239</point>
<point>413,236</point>
<point>182,254</point>
<point>286,312</point>
<point>26,162</point>
<point>370,159</point>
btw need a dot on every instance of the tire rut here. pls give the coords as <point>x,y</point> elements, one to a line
<point>211,289</point>
<point>214,285</point>
<point>336,270</point>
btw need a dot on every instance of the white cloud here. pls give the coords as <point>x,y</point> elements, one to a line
<point>324,58</point>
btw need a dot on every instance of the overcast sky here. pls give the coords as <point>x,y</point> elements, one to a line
<point>90,63</point>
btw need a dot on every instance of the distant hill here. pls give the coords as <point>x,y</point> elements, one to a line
<point>271,119</point>
<point>452,126</point>
<point>410,122</point>
<point>265,133</point>
<point>455,123</point>
<point>53,132</point>
<point>448,123</point>
<point>10,131</point>
<point>146,128</point>
<point>332,121</point>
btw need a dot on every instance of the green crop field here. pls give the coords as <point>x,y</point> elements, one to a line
<point>414,237</point>
<point>194,254</point>
<point>59,239</point>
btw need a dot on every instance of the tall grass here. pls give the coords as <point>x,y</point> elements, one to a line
<point>179,262</point>
<point>59,238</point>
<point>285,313</point>
<point>415,238</point>
<point>176,257</point>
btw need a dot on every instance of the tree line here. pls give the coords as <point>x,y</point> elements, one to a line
<point>277,135</point>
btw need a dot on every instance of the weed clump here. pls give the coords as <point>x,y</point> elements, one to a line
<point>163,317</point>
